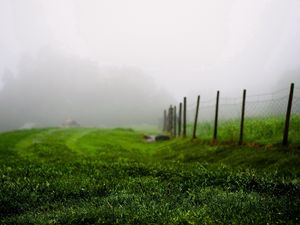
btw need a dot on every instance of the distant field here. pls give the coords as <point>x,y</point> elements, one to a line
<point>101,176</point>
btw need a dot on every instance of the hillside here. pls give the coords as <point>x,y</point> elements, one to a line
<point>112,176</point>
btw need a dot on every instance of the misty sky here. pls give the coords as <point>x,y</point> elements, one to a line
<point>184,45</point>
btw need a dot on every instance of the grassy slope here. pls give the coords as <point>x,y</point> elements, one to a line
<point>73,176</point>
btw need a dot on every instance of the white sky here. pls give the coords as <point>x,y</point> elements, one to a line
<point>185,45</point>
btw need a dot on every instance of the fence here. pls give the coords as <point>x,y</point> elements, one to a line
<point>265,118</point>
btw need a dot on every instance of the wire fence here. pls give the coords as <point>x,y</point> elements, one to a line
<point>265,118</point>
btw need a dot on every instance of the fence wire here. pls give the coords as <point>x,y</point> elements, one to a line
<point>264,122</point>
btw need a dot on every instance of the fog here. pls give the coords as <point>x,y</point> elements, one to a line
<point>53,87</point>
<point>121,62</point>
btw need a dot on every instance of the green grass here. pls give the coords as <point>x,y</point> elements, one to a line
<point>111,176</point>
<point>267,130</point>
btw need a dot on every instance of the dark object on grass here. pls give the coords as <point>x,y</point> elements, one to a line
<point>162,137</point>
<point>152,138</point>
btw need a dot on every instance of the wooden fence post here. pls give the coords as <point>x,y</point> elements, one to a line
<point>165,121</point>
<point>179,119</point>
<point>168,120</point>
<point>216,118</point>
<point>288,115</point>
<point>175,121</point>
<point>242,118</point>
<point>196,117</point>
<point>184,117</point>
<point>171,120</point>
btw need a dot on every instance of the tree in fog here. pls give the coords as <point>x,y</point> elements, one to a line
<point>53,87</point>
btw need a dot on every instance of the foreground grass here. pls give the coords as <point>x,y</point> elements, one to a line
<point>91,176</point>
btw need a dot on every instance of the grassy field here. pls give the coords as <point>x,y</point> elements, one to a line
<point>267,130</point>
<point>102,176</point>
